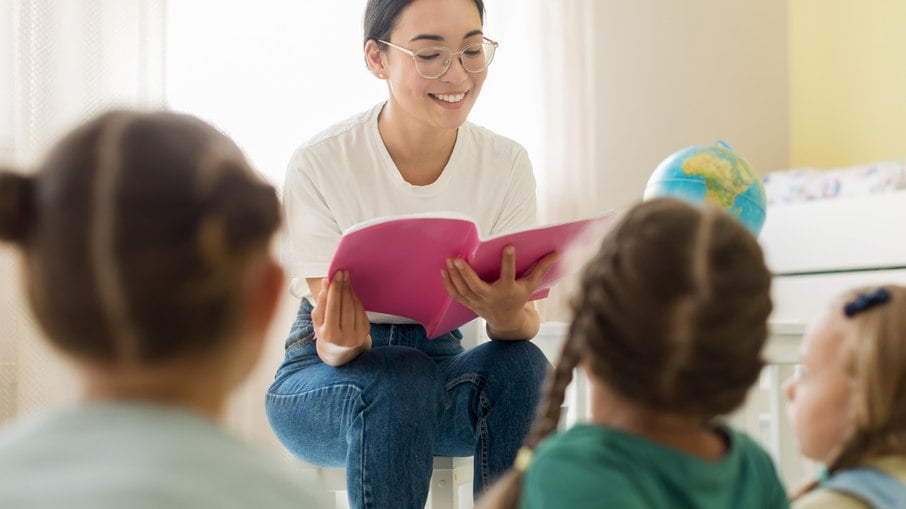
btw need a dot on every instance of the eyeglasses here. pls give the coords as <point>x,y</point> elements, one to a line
<point>433,62</point>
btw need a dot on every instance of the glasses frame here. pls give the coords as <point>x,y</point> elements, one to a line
<point>457,54</point>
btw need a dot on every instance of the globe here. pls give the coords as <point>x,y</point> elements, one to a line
<point>712,174</point>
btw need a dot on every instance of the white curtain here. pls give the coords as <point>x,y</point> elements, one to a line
<point>542,93</point>
<point>65,61</point>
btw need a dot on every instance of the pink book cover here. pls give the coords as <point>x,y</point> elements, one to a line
<point>394,263</point>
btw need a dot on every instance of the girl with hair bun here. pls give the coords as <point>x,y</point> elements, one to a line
<point>145,241</point>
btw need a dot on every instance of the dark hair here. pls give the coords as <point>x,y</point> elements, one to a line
<point>136,234</point>
<point>671,313</point>
<point>381,17</point>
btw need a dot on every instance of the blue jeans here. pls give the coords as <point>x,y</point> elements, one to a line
<point>385,414</point>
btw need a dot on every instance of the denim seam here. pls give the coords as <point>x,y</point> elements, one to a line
<point>483,462</point>
<point>365,487</point>
<point>483,440</point>
<point>357,390</point>
<point>300,342</point>
<point>472,378</point>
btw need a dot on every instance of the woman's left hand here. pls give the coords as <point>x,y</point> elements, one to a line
<point>504,304</point>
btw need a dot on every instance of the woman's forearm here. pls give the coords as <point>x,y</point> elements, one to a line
<point>526,328</point>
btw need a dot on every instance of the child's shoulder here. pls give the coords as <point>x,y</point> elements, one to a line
<point>879,484</point>
<point>581,440</point>
<point>828,499</point>
<point>893,465</point>
<point>582,447</point>
<point>577,464</point>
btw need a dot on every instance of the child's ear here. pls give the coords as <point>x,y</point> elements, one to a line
<point>265,292</point>
<point>375,59</point>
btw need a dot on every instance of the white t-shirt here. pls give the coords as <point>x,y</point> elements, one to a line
<point>140,456</point>
<point>345,176</point>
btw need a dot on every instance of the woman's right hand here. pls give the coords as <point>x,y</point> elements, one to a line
<point>341,325</point>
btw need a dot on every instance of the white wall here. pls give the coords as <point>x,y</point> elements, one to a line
<point>673,74</point>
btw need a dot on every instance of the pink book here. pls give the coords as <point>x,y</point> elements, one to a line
<point>394,263</point>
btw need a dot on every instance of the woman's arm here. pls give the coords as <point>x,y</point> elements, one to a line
<point>504,304</point>
<point>341,325</point>
<point>528,327</point>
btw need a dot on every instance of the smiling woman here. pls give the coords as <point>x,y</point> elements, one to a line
<point>372,392</point>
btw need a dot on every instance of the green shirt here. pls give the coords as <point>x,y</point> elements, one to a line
<point>593,466</point>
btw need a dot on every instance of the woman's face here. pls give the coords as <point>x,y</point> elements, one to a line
<point>444,102</point>
<point>821,402</point>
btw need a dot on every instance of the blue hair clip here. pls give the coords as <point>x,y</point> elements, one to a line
<point>865,301</point>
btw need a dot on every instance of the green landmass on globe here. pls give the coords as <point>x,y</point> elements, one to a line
<point>712,174</point>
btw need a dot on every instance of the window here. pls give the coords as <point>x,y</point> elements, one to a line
<point>273,74</point>
<point>269,74</point>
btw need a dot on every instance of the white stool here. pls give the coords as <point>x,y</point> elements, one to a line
<point>451,483</point>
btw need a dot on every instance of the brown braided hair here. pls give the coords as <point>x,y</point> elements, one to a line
<point>136,233</point>
<point>673,306</point>
<point>874,348</point>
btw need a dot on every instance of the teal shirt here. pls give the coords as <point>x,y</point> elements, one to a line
<point>593,466</point>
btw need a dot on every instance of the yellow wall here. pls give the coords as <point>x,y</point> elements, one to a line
<point>848,81</point>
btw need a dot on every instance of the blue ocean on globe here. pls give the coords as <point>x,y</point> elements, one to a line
<point>712,174</point>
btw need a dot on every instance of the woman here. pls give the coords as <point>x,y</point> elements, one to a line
<point>371,392</point>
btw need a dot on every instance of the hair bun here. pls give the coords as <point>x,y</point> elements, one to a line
<point>16,206</point>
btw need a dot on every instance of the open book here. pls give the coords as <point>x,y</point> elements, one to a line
<point>395,263</point>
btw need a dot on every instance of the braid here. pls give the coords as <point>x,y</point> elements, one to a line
<point>507,491</point>
<point>554,391</point>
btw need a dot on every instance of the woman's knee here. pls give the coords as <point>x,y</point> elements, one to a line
<point>518,353</point>
<point>520,361</point>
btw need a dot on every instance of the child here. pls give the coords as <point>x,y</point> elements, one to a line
<point>848,402</point>
<point>669,324</point>
<point>145,243</point>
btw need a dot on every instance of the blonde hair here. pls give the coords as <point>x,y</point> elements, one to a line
<point>671,313</point>
<point>874,346</point>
